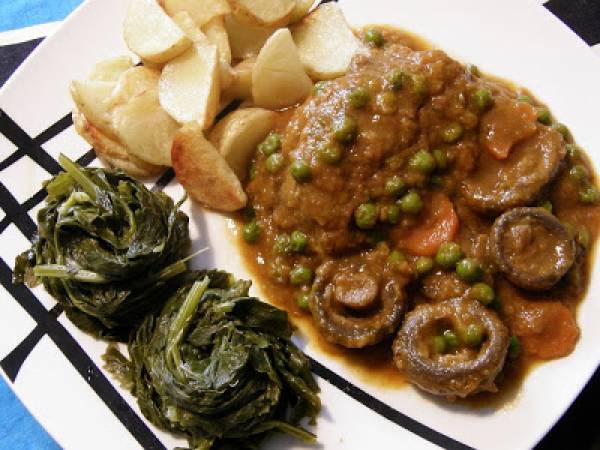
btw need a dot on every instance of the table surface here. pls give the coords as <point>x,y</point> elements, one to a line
<point>25,23</point>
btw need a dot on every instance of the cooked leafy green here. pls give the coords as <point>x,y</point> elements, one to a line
<point>106,248</point>
<point>219,366</point>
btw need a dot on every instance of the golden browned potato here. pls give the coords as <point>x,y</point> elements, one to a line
<point>217,34</point>
<point>271,13</point>
<point>151,34</point>
<point>91,98</point>
<point>241,85</point>
<point>184,20</point>
<point>325,42</point>
<point>111,151</point>
<point>110,69</point>
<point>204,173</point>
<point>189,85</point>
<point>145,128</point>
<point>131,83</point>
<point>278,76</point>
<point>237,135</point>
<point>201,11</point>
<point>245,40</point>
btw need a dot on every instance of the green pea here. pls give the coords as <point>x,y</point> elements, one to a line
<point>411,203</point>
<point>547,205</point>
<point>330,154</point>
<point>271,144</point>
<point>393,214</point>
<point>282,244</point>
<point>469,269</point>
<point>514,347</point>
<point>473,335</point>
<point>452,133</point>
<point>274,163</point>
<point>578,173</point>
<point>303,301</point>
<point>423,265</point>
<point>419,85</point>
<point>563,130</point>
<point>473,70</point>
<point>300,171</point>
<point>374,37</point>
<point>359,98</point>
<point>319,86</point>
<point>396,256</point>
<point>572,151</point>
<point>448,255</point>
<point>394,185</point>
<point>589,194</point>
<point>365,216</point>
<point>251,231</point>
<point>583,236</point>
<point>525,98</point>
<point>544,116</point>
<point>441,159</point>
<point>483,293</point>
<point>397,79</point>
<point>298,241</point>
<point>252,172</point>
<point>423,161</point>
<point>300,275</point>
<point>345,130</point>
<point>451,339</point>
<point>482,99</point>
<point>439,345</point>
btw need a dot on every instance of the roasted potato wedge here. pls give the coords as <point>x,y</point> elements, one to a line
<point>110,69</point>
<point>189,85</point>
<point>278,76</point>
<point>111,151</point>
<point>245,40</point>
<point>201,11</point>
<point>145,128</point>
<point>204,173</point>
<point>272,13</point>
<point>237,135</point>
<point>151,34</point>
<point>301,9</point>
<point>217,34</point>
<point>131,83</point>
<point>325,42</point>
<point>189,27</point>
<point>241,85</point>
<point>91,98</point>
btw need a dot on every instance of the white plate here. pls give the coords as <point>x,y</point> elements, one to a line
<point>55,367</point>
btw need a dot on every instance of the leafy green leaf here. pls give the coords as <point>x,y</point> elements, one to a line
<point>107,248</point>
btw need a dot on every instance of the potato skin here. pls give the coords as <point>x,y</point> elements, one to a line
<point>204,173</point>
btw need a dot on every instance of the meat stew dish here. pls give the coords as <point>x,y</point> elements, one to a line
<point>418,205</point>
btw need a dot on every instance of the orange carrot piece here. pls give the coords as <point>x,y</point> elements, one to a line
<point>552,333</point>
<point>440,224</point>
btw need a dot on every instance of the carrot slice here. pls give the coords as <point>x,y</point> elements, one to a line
<point>548,330</point>
<point>506,124</point>
<point>440,224</point>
